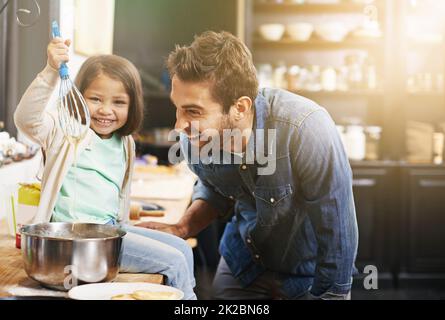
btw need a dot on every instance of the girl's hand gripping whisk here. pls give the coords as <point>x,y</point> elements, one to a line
<point>74,116</point>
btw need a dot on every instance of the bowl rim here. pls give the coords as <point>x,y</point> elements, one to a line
<point>300,24</point>
<point>280,25</point>
<point>120,230</point>
<point>264,28</point>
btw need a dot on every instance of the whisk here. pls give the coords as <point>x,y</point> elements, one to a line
<point>73,113</point>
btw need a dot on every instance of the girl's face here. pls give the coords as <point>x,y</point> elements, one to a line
<point>108,103</point>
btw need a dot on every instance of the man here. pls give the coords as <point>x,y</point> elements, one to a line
<point>293,233</point>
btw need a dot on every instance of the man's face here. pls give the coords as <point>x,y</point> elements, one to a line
<point>197,113</point>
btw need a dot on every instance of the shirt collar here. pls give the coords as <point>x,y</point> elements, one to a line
<point>262,111</point>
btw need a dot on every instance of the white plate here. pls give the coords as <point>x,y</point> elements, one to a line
<point>104,291</point>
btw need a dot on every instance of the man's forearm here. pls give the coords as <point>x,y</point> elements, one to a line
<point>197,217</point>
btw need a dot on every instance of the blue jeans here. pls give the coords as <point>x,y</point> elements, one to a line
<point>266,287</point>
<point>151,251</point>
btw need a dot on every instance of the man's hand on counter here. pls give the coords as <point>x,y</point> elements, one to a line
<point>197,217</point>
<point>164,227</point>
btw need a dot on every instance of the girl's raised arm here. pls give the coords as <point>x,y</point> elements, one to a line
<point>30,117</point>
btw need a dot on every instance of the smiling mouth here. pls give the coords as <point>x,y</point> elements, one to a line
<point>104,122</point>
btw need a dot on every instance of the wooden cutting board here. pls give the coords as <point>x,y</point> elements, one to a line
<point>12,273</point>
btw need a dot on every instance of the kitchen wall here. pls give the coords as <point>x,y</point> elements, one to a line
<point>36,39</point>
<point>26,55</point>
<point>147,31</point>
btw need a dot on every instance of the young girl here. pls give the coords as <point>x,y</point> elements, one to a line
<point>112,89</point>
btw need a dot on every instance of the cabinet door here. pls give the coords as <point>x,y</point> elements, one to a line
<point>370,197</point>
<point>425,241</point>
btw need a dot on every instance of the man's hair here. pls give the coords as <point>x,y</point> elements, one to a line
<point>120,69</point>
<point>220,58</point>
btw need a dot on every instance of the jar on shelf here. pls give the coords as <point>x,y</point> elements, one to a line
<point>355,73</point>
<point>342,79</point>
<point>294,78</point>
<point>265,75</point>
<point>355,140</point>
<point>279,76</point>
<point>329,79</point>
<point>373,137</point>
<point>370,74</point>
<point>314,81</point>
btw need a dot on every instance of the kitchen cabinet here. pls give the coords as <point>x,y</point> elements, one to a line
<point>376,195</point>
<point>400,216</point>
<point>423,236</point>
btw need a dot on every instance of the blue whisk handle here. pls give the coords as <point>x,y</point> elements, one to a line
<point>63,71</point>
<point>56,30</point>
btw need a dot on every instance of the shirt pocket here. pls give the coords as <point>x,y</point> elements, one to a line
<point>273,204</point>
<point>230,192</point>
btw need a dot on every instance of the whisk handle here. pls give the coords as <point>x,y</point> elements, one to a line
<point>63,70</point>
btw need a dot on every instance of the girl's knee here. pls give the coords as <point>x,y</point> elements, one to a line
<point>177,258</point>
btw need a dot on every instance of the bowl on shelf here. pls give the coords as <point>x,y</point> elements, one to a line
<point>332,31</point>
<point>272,31</point>
<point>369,29</point>
<point>300,31</point>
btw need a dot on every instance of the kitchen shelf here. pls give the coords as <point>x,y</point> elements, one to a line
<point>425,94</point>
<point>313,8</point>
<point>341,94</point>
<point>375,163</point>
<point>317,44</point>
<point>419,45</point>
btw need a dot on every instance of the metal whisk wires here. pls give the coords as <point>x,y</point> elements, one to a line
<point>74,116</point>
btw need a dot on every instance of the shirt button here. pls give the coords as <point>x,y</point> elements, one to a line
<point>249,241</point>
<point>257,256</point>
<point>272,200</point>
<point>243,167</point>
<point>231,197</point>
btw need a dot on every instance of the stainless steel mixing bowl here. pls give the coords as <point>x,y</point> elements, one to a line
<point>63,255</point>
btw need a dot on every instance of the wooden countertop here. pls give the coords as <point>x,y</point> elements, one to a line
<point>12,274</point>
<point>11,268</point>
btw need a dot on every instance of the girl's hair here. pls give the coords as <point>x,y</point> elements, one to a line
<point>120,69</point>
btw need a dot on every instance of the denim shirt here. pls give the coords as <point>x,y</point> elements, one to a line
<point>300,220</point>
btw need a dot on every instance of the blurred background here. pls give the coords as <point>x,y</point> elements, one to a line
<point>377,66</point>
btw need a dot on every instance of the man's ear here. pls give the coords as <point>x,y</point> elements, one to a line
<point>242,108</point>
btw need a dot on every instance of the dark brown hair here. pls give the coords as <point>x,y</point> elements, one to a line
<point>120,69</point>
<point>221,58</point>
